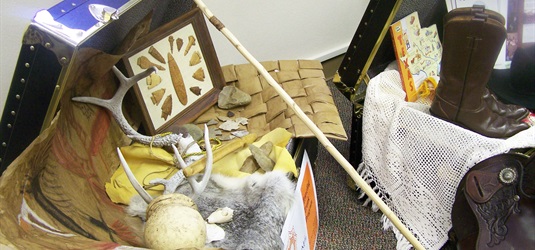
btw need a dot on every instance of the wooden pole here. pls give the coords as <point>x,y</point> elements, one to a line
<point>317,132</point>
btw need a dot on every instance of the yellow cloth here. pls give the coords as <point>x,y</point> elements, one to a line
<point>151,163</point>
<point>230,165</point>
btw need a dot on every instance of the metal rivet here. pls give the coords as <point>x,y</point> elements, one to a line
<point>17,96</point>
<point>507,175</point>
<point>62,11</point>
<point>63,60</point>
<point>365,23</point>
<point>22,80</point>
<point>32,48</point>
<point>48,45</point>
<point>8,125</point>
<point>516,198</point>
<point>4,144</point>
<point>349,58</point>
<point>345,68</point>
<point>27,65</point>
<point>13,112</point>
<point>354,46</point>
<point>360,36</point>
<point>371,11</point>
<point>73,4</point>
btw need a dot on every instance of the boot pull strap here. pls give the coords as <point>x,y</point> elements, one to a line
<point>479,12</point>
<point>478,8</point>
<point>480,16</point>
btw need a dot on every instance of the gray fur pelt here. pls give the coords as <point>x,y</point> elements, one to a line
<point>260,203</point>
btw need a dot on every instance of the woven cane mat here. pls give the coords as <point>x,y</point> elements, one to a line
<point>303,80</point>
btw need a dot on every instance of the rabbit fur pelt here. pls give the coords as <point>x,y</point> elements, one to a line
<point>260,203</point>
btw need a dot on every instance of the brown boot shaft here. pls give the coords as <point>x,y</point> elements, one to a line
<point>470,48</point>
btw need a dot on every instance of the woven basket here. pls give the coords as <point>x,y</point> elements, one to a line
<point>303,80</point>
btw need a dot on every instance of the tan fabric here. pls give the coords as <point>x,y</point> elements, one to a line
<point>52,196</point>
<point>303,80</point>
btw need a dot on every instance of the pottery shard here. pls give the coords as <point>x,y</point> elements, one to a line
<point>229,125</point>
<point>231,97</point>
<point>214,132</point>
<point>240,133</point>
<point>212,122</point>
<point>226,137</point>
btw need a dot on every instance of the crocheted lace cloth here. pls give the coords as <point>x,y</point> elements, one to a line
<point>417,160</point>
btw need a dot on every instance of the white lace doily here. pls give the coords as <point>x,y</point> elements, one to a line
<point>417,160</point>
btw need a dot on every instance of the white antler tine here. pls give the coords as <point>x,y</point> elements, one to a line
<point>92,100</point>
<point>127,83</point>
<point>209,153</point>
<point>146,196</point>
<point>118,73</point>
<point>181,162</point>
<point>114,105</point>
<point>198,187</point>
<point>143,74</point>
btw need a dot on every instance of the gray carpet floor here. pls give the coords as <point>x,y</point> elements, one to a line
<point>344,222</point>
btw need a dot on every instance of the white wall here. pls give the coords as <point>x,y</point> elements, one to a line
<point>270,30</point>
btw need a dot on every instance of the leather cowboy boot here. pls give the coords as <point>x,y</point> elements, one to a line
<point>470,48</point>
<point>508,110</point>
<point>492,208</point>
<point>512,111</point>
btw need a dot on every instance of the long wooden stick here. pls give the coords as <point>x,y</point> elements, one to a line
<point>317,132</point>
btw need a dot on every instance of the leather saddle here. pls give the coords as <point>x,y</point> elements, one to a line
<point>494,206</point>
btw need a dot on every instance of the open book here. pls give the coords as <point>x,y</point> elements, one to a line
<point>418,53</point>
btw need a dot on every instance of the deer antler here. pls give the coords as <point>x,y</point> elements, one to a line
<point>174,181</point>
<point>114,105</point>
<point>198,187</point>
<point>146,196</point>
